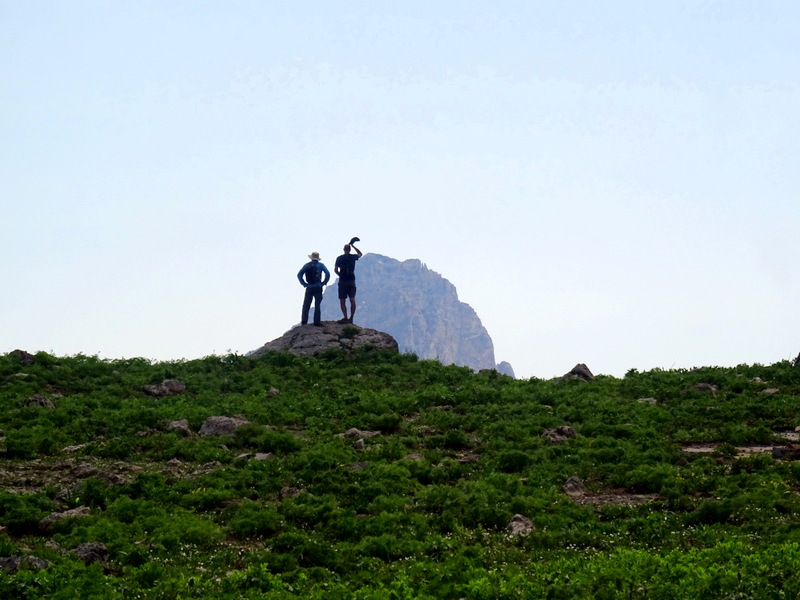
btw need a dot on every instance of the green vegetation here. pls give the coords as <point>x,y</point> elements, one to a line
<point>416,502</point>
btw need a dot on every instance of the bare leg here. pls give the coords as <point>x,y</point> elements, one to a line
<point>352,307</point>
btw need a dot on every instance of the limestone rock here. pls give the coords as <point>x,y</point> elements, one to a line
<point>574,487</point>
<point>168,387</point>
<point>505,368</point>
<point>181,427</point>
<point>308,340</point>
<point>81,511</point>
<point>12,564</point>
<point>580,371</point>
<point>221,425</point>
<point>25,358</point>
<point>519,525</point>
<point>560,434</point>
<point>39,400</point>
<point>92,552</point>
<point>706,387</point>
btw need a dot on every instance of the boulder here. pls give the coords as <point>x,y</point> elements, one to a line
<point>221,425</point>
<point>181,427</point>
<point>39,400</point>
<point>706,387</point>
<point>519,525</point>
<point>308,340</point>
<point>579,371</point>
<point>25,359</point>
<point>12,564</point>
<point>92,552</point>
<point>168,387</point>
<point>560,434</point>
<point>574,487</point>
<point>81,511</point>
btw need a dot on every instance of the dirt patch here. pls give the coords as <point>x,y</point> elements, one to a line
<point>617,497</point>
<point>741,450</point>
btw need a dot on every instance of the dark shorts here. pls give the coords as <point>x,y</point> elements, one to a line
<point>347,289</point>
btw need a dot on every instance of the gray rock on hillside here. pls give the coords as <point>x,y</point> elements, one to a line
<point>307,340</point>
<point>420,309</point>
<point>220,425</point>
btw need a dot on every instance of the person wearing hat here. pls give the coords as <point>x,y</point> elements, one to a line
<point>311,278</point>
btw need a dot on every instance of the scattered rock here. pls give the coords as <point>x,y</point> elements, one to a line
<point>81,511</point>
<point>647,400</point>
<point>168,387</point>
<point>39,400</point>
<point>357,433</point>
<point>706,387</point>
<point>84,470</point>
<point>519,525</point>
<point>92,552</point>
<point>264,456</point>
<point>221,425</point>
<point>25,359</point>
<point>358,466</point>
<point>272,392</point>
<point>786,452</point>
<point>359,444</point>
<point>769,392</point>
<point>579,371</point>
<point>181,427</point>
<point>560,434</point>
<point>113,478</point>
<point>574,487</point>
<point>207,468</point>
<point>12,564</point>
<point>74,449</point>
<point>289,492</point>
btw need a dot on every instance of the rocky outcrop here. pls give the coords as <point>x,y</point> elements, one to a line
<point>421,310</point>
<point>505,368</point>
<point>307,340</point>
<point>168,387</point>
<point>579,371</point>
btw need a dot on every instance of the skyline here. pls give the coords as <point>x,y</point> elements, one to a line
<point>608,183</point>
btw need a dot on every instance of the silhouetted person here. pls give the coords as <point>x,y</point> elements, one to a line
<point>345,268</point>
<point>313,272</point>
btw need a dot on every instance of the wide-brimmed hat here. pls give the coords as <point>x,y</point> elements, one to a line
<point>314,256</point>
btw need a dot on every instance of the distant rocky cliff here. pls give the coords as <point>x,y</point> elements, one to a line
<point>420,309</point>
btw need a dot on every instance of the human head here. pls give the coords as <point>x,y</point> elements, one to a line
<point>347,248</point>
<point>314,256</point>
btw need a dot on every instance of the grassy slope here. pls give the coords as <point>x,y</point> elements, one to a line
<point>419,512</point>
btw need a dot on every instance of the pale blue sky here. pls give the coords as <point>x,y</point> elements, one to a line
<point>614,183</point>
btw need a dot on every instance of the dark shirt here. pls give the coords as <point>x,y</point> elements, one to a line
<point>320,270</point>
<point>346,266</point>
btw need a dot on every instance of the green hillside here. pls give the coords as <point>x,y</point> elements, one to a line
<point>386,477</point>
